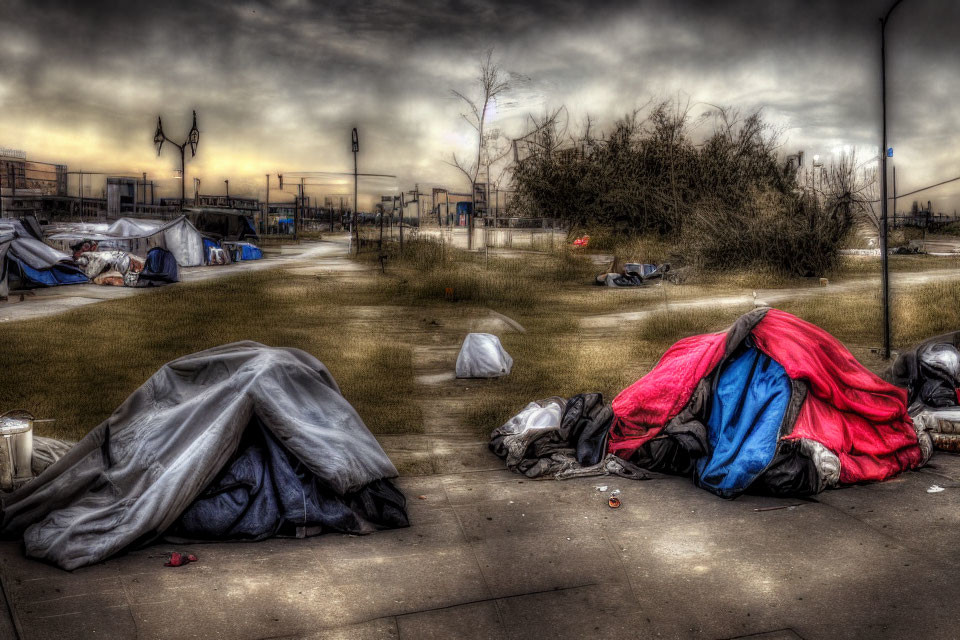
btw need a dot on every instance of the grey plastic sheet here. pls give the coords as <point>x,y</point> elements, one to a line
<point>130,478</point>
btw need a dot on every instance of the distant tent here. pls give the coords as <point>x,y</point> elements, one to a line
<point>213,253</point>
<point>160,269</point>
<point>240,251</point>
<point>224,224</point>
<point>178,236</point>
<point>29,263</point>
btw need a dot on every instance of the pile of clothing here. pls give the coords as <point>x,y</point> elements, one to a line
<point>633,274</point>
<point>114,268</point>
<point>772,405</point>
<point>930,374</point>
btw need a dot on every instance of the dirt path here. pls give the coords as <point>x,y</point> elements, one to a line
<point>610,321</point>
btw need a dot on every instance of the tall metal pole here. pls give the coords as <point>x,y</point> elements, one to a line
<point>266,209</point>
<point>183,179</point>
<point>356,203</point>
<point>885,278</point>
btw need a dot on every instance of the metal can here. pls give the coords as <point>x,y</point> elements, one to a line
<point>16,449</point>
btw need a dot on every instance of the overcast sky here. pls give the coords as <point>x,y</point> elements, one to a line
<point>278,85</point>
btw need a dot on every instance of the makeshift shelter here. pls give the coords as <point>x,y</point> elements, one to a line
<point>29,263</point>
<point>137,237</point>
<point>240,251</point>
<point>773,405</point>
<point>160,268</point>
<point>238,442</point>
<point>482,356</point>
<point>224,224</point>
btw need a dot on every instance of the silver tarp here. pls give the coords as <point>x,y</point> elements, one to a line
<point>133,475</point>
<point>179,237</point>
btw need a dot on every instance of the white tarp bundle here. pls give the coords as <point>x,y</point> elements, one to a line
<point>482,356</point>
<point>179,237</point>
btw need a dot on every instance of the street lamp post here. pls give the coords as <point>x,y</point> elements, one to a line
<point>193,138</point>
<point>885,277</point>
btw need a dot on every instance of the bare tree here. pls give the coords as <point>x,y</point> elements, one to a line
<point>491,83</point>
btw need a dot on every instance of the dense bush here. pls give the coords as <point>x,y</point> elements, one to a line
<point>727,200</point>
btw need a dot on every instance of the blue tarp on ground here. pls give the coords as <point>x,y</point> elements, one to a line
<point>56,275</point>
<point>748,405</point>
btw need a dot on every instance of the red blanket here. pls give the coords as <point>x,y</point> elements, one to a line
<point>848,409</point>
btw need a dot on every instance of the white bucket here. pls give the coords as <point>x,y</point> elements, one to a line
<point>16,449</point>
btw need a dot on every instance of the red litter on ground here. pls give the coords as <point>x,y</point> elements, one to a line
<point>178,559</point>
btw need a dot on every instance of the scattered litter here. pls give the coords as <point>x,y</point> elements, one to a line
<point>614,502</point>
<point>935,489</point>
<point>602,488</point>
<point>615,492</point>
<point>177,559</point>
<point>783,506</point>
<point>511,502</point>
<point>422,497</point>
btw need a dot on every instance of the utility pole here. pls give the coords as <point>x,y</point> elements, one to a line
<point>355,219</point>
<point>885,277</point>
<point>266,209</point>
<point>227,182</point>
<point>402,209</point>
<point>416,194</point>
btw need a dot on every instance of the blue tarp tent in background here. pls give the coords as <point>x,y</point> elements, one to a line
<point>29,263</point>
<point>159,269</point>
<point>240,251</point>
<point>285,225</point>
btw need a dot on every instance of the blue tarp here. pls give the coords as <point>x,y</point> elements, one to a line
<point>246,251</point>
<point>747,408</point>
<point>266,490</point>
<point>56,275</point>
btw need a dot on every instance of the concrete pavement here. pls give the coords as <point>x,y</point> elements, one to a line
<point>495,555</point>
<point>46,302</point>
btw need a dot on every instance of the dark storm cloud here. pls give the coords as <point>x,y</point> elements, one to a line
<point>279,84</point>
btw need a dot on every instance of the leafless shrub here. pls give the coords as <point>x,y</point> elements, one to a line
<point>728,200</point>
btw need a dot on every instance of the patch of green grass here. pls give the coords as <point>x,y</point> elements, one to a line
<point>77,367</point>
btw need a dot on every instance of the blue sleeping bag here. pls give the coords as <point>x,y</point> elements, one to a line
<point>748,404</point>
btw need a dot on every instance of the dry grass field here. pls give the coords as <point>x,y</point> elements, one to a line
<point>78,366</point>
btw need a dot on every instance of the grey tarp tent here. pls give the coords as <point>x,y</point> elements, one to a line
<point>131,477</point>
<point>5,240</point>
<point>178,236</point>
